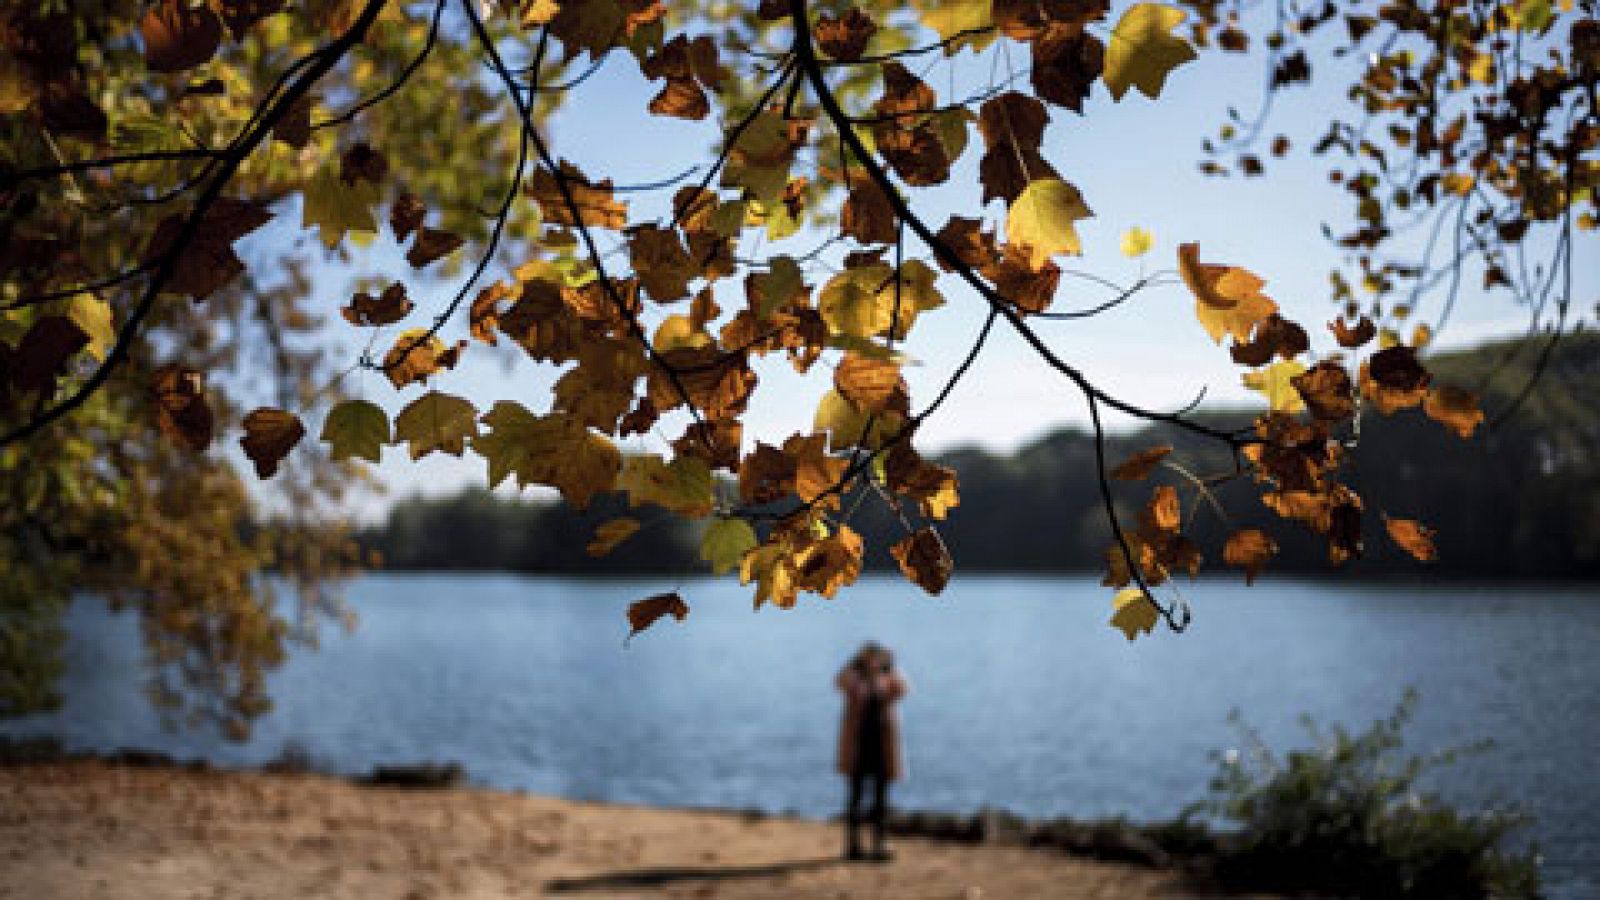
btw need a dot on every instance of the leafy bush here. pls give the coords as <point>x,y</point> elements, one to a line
<point>1347,818</point>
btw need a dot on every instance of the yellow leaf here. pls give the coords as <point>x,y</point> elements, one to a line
<point>93,316</point>
<point>356,428</point>
<point>1133,612</point>
<point>1277,382</point>
<point>771,566</point>
<point>852,303</point>
<point>848,425</point>
<point>1136,242</point>
<point>952,17</point>
<point>725,543</point>
<point>609,534</point>
<point>1143,49</point>
<point>1041,219</point>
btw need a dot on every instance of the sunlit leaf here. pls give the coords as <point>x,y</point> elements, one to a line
<point>1143,50</point>
<point>1042,217</point>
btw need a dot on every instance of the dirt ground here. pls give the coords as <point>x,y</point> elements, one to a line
<point>91,830</point>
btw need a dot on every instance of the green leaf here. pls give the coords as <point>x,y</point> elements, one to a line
<point>436,421</point>
<point>725,543</point>
<point>682,486</point>
<point>1143,49</point>
<point>1041,219</point>
<point>356,428</point>
<point>335,207</point>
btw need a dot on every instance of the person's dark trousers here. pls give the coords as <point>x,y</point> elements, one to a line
<point>864,785</point>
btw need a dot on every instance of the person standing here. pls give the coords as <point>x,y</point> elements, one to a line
<point>869,744</point>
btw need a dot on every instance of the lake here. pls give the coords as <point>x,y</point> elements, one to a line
<point>1022,696</point>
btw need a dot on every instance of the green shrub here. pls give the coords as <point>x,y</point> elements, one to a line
<point>1346,818</point>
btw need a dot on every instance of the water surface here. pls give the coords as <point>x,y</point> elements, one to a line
<point>1021,698</point>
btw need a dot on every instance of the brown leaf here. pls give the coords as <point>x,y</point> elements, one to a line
<point>715,442</point>
<point>909,145</point>
<point>1015,278</point>
<point>417,355</point>
<point>924,559</point>
<point>1327,391</point>
<point>644,613</point>
<point>1139,466</point>
<point>66,109</point>
<point>362,163</point>
<point>406,215</point>
<point>385,309</point>
<point>208,262</point>
<point>294,128</point>
<point>868,383</point>
<point>1352,337</point>
<point>181,409</point>
<point>681,98</point>
<point>179,36</point>
<point>845,38</point>
<point>44,351</point>
<point>1274,336</point>
<point>867,215</point>
<point>1162,513</point>
<point>767,474</point>
<point>1394,379</point>
<point>972,245</point>
<point>595,204</point>
<point>269,435</point>
<point>1413,537</point>
<point>1249,549</point>
<point>431,244</point>
<point>1455,408</point>
<point>663,265</point>
<point>1012,126</point>
<point>1066,62</point>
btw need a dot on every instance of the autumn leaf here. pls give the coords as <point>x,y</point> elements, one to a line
<point>356,428</point>
<point>182,412</point>
<point>179,35</point>
<point>644,613</point>
<point>44,351</point>
<point>1394,379</point>
<point>965,23</point>
<point>387,308</point>
<point>725,543</point>
<point>406,215</point>
<point>1277,382</point>
<point>93,317</point>
<point>607,535</point>
<point>1042,217</point>
<point>924,560</point>
<point>1455,408</point>
<point>1327,391</point>
<point>555,450</point>
<point>269,435</point>
<point>867,383</point>
<point>416,354</point>
<point>595,204</point>
<point>849,425</point>
<point>1249,549</point>
<point>682,486</point>
<point>1143,50</point>
<point>1136,242</point>
<point>436,421</point>
<point>1133,613</point>
<point>1139,466</point>
<point>1413,537</point>
<point>844,38</point>
<point>335,208</point>
<point>1351,337</point>
<point>431,244</point>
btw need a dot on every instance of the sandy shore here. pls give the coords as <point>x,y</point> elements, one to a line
<point>93,830</point>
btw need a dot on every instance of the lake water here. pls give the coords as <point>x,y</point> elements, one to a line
<point>1022,697</point>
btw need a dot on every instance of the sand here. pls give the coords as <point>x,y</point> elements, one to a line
<point>93,830</point>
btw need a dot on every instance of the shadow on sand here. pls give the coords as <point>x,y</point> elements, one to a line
<point>665,875</point>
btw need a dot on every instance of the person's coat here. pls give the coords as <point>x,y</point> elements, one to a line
<point>855,687</point>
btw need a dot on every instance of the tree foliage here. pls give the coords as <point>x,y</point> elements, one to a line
<point>153,157</point>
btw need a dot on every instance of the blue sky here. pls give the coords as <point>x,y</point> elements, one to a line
<point>1136,164</point>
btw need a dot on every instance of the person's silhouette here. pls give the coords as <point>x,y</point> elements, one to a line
<point>869,744</point>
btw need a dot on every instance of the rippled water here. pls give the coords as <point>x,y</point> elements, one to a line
<point>1021,696</point>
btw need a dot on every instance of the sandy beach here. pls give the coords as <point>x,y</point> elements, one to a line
<point>95,830</point>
